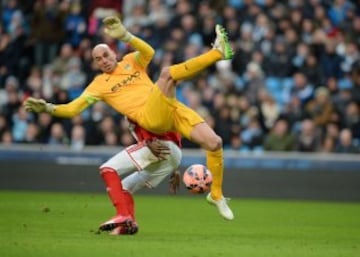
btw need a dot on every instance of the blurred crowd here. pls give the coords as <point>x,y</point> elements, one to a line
<point>293,85</point>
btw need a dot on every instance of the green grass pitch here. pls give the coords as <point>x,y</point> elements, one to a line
<point>43,224</point>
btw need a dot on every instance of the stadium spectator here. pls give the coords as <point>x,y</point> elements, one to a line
<point>301,88</point>
<point>252,136</point>
<point>277,63</point>
<point>341,100</point>
<point>44,121</point>
<point>105,7</point>
<point>48,31</point>
<point>237,145</point>
<point>11,51</point>
<point>294,112</point>
<point>300,56</point>
<point>60,63</point>
<point>137,16</point>
<point>354,30</point>
<point>245,47</point>
<point>330,61</point>
<point>254,82</point>
<point>58,135</point>
<point>350,57</point>
<point>351,120</point>
<point>320,108</point>
<point>108,131</point>
<point>99,9</point>
<point>4,126</point>
<point>8,11</point>
<point>73,80</point>
<point>269,109</point>
<point>34,83</point>
<point>309,138</point>
<point>7,138</point>
<point>312,70</point>
<point>328,145</point>
<point>279,138</point>
<point>32,134</point>
<point>77,138</point>
<point>346,144</point>
<point>75,25</point>
<point>223,124</point>
<point>11,98</point>
<point>338,11</point>
<point>20,124</point>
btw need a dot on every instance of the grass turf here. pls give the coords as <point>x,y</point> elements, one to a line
<point>65,224</point>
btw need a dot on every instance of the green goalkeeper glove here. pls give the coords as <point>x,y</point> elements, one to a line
<point>115,29</point>
<point>38,105</point>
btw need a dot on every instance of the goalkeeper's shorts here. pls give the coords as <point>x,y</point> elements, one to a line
<point>162,114</point>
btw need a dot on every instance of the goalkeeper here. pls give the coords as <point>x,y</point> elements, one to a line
<point>126,87</point>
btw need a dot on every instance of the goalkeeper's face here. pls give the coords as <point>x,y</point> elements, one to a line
<point>104,57</point>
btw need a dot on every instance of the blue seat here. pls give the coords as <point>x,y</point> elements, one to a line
<point>287,83</point>
<point>272,84</point>
<point>345,83</point>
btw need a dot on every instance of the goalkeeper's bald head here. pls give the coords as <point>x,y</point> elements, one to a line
<point>104,57</point>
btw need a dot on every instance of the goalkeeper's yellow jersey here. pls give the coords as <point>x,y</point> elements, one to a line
<point>125,89</point>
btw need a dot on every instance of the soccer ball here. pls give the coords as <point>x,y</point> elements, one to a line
<point>197,179</point>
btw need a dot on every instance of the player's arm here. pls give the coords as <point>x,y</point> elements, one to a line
<point>174,182</point>
<point>158,148</point>
<point>68,110</point>
<point>115,29</point>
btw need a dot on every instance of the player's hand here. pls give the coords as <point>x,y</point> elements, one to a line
<point>37,105</point>
<point>115,29</point>
<point>158,148</point>
<point>174,182</point>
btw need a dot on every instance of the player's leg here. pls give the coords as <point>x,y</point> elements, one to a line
<point>155,173</point>
<point>203,135</point>
<point>193,127</point>
<point>212,143</point>
<point>221,51</point>
<point>150,177</point>
<point>115,191</point>
<point>133,158</point>
<point>156,115</point>
<point>136,181</point>
<point>169,75</point>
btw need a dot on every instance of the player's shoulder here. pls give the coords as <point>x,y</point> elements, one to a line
<point>128,63</point>
<point>129,57</point>
<point>97,81</point>
<point>99,76</point>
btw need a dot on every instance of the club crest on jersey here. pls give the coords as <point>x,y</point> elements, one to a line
<point>127,66</point>
<point>125,82</point>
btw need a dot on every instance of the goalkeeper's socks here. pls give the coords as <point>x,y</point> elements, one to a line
<point>115,190</point>
<point>215,163</point>
<point>194,65</point>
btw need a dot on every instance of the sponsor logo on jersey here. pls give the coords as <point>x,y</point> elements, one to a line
<point>127,81</point>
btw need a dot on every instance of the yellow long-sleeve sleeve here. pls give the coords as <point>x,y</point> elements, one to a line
<point>72,108</point>
<point>144,53</point>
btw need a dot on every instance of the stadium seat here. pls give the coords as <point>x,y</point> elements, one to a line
<point>273,84</point>
<point>287,83</point>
